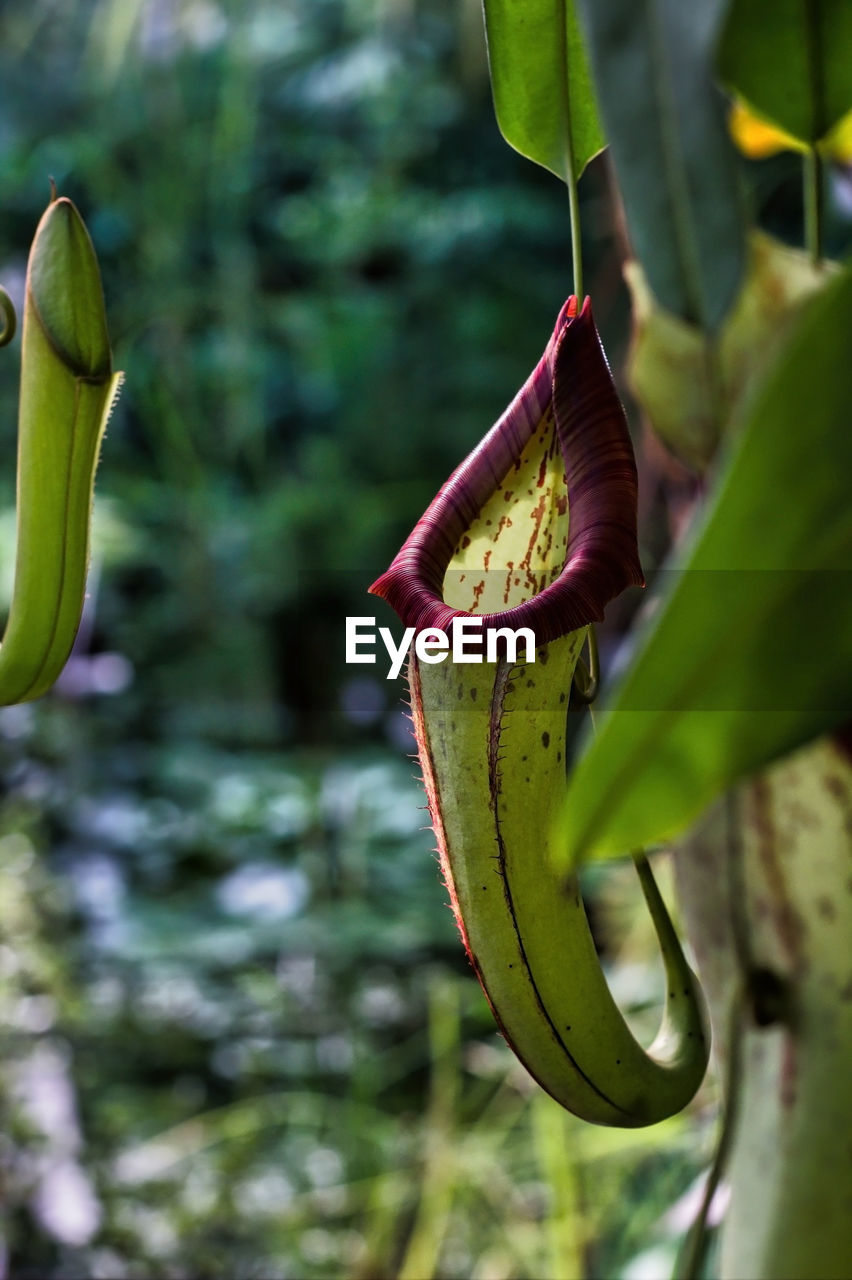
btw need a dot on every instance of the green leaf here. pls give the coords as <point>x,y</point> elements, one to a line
<point>688,383</point>
<point>675,163</point>
<point>543,95</point>
<point>791,60</point>
<point>747,654</point>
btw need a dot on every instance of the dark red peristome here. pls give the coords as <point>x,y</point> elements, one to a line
<point>602,557</point>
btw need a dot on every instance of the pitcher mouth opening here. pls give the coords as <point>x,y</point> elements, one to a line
<point>572,383</point>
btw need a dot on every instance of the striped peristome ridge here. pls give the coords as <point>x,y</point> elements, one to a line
<point>572,385</point>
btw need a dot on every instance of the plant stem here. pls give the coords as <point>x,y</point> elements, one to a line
<point>812,175</point>
<point>576,236</point>
<point>7,312</point>
<point>689,1262</point>
<point>812,169</point>
<point>571,170</point>
<point>585,688</point>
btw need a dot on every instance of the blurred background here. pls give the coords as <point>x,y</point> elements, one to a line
<point>239,1034</point>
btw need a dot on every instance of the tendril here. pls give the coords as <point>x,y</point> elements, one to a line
<point>9,319</point>
<point>587,679</point>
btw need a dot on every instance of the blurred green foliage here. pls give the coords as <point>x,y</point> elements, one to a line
<point>318,257</point>
<point>240,1037</point>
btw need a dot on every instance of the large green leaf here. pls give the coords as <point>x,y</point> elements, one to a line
<point>792,60</point>
<point>675,164</point>
<point>543,94</point>
<point>748,652</point>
